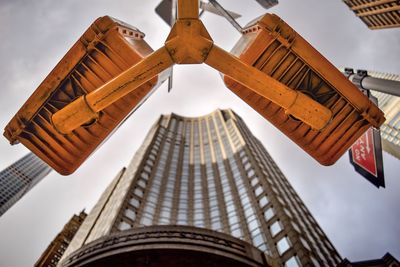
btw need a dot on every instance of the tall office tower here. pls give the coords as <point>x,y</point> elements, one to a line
<point>386,88</point>
<point>376,14</point>
<point>53,253</point>
<point>386,261</point>
<point>20,177</point>
<point>200,192</point>
<point>390,105</point>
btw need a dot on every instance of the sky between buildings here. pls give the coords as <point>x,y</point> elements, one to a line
<point>360,220</point>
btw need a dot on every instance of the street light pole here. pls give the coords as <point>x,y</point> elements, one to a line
<point>364,81</point>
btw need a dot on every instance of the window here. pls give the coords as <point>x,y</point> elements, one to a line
<point>258,240</point>
<point>130,214</point>
<point>247,166</point>
<point>216,225</point>
<point>293,262</point>
<point>145,175</point>
<point>263,247</point>
<point>275,228</point>
<point>263,201</point>
<point>124,226</point>
<point>149,209</point>
<point>142,183</point>
<point>250,173</point>
<point>258,191</point>
<point>283,245</point>
<point>253,225</point>
<point>138,192</point>
<point>237,233</point>
<point>182,217</point>
<point>269,213</point>
<point>230,207</point>
<point>254,181</point>
<point>147,169</point>
<point>214,213</point>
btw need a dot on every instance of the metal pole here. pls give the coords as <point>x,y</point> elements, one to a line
<point>188,9</point>
<point>381,85</point>
<point>363,81</point>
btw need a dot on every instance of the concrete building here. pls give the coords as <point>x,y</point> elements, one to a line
<point>200,192</point>
<point>376,14</point>
<point>386,88</point>
<point>386,261</point>
<point>390,105</point>
<point>53,253</point>
<point>20,177</point>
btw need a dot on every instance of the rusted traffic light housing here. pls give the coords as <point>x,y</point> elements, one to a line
<point>105,50</point>
<point>273,47</point>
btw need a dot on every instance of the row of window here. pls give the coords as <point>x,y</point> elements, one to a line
<point>270,169</point>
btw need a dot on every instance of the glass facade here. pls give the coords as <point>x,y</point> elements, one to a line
<point>390,105</point>
<point>211,172</point>
<point>17,179</point>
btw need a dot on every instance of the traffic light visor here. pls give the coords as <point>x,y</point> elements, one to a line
<point>105,50</point>
<point>272,46</point>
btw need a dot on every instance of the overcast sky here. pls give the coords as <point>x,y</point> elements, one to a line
<point>360,220</point>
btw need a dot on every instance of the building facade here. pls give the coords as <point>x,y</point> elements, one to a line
<point>385,87</point>
<point>20,177</point>
<point>53,253</point>
<point>206,179</point>
<point>390,105</point>
<point>376,14</point>
<point>386,261</point>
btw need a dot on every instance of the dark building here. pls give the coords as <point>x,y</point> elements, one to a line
<point>200,192</point>
<point>53,253</point>
<point>390,104</point>
<point>376,14</point>
<point>386,261</point>
<point>20,177</point>
<point>268,3</point>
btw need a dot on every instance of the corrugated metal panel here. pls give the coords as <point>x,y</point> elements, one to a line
<point>273,47</point>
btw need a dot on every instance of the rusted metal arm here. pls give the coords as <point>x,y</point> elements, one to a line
<point>86,108</point>
<point>295,103</point>
<point>188,9</point>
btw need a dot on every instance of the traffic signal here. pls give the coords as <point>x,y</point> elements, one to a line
<point>273,47</point>
<point>104,51</point>
<point>111,70</point>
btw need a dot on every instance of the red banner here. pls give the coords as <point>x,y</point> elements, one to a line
<point>363,151</point>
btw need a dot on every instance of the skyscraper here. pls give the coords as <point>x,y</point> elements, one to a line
<point>20,177</point>
<point>53,253</point>
<point>386,88</point>
<point>386,261</point>
<point>390,105</point>
<point>376,14</point>
<point>206,190</point>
